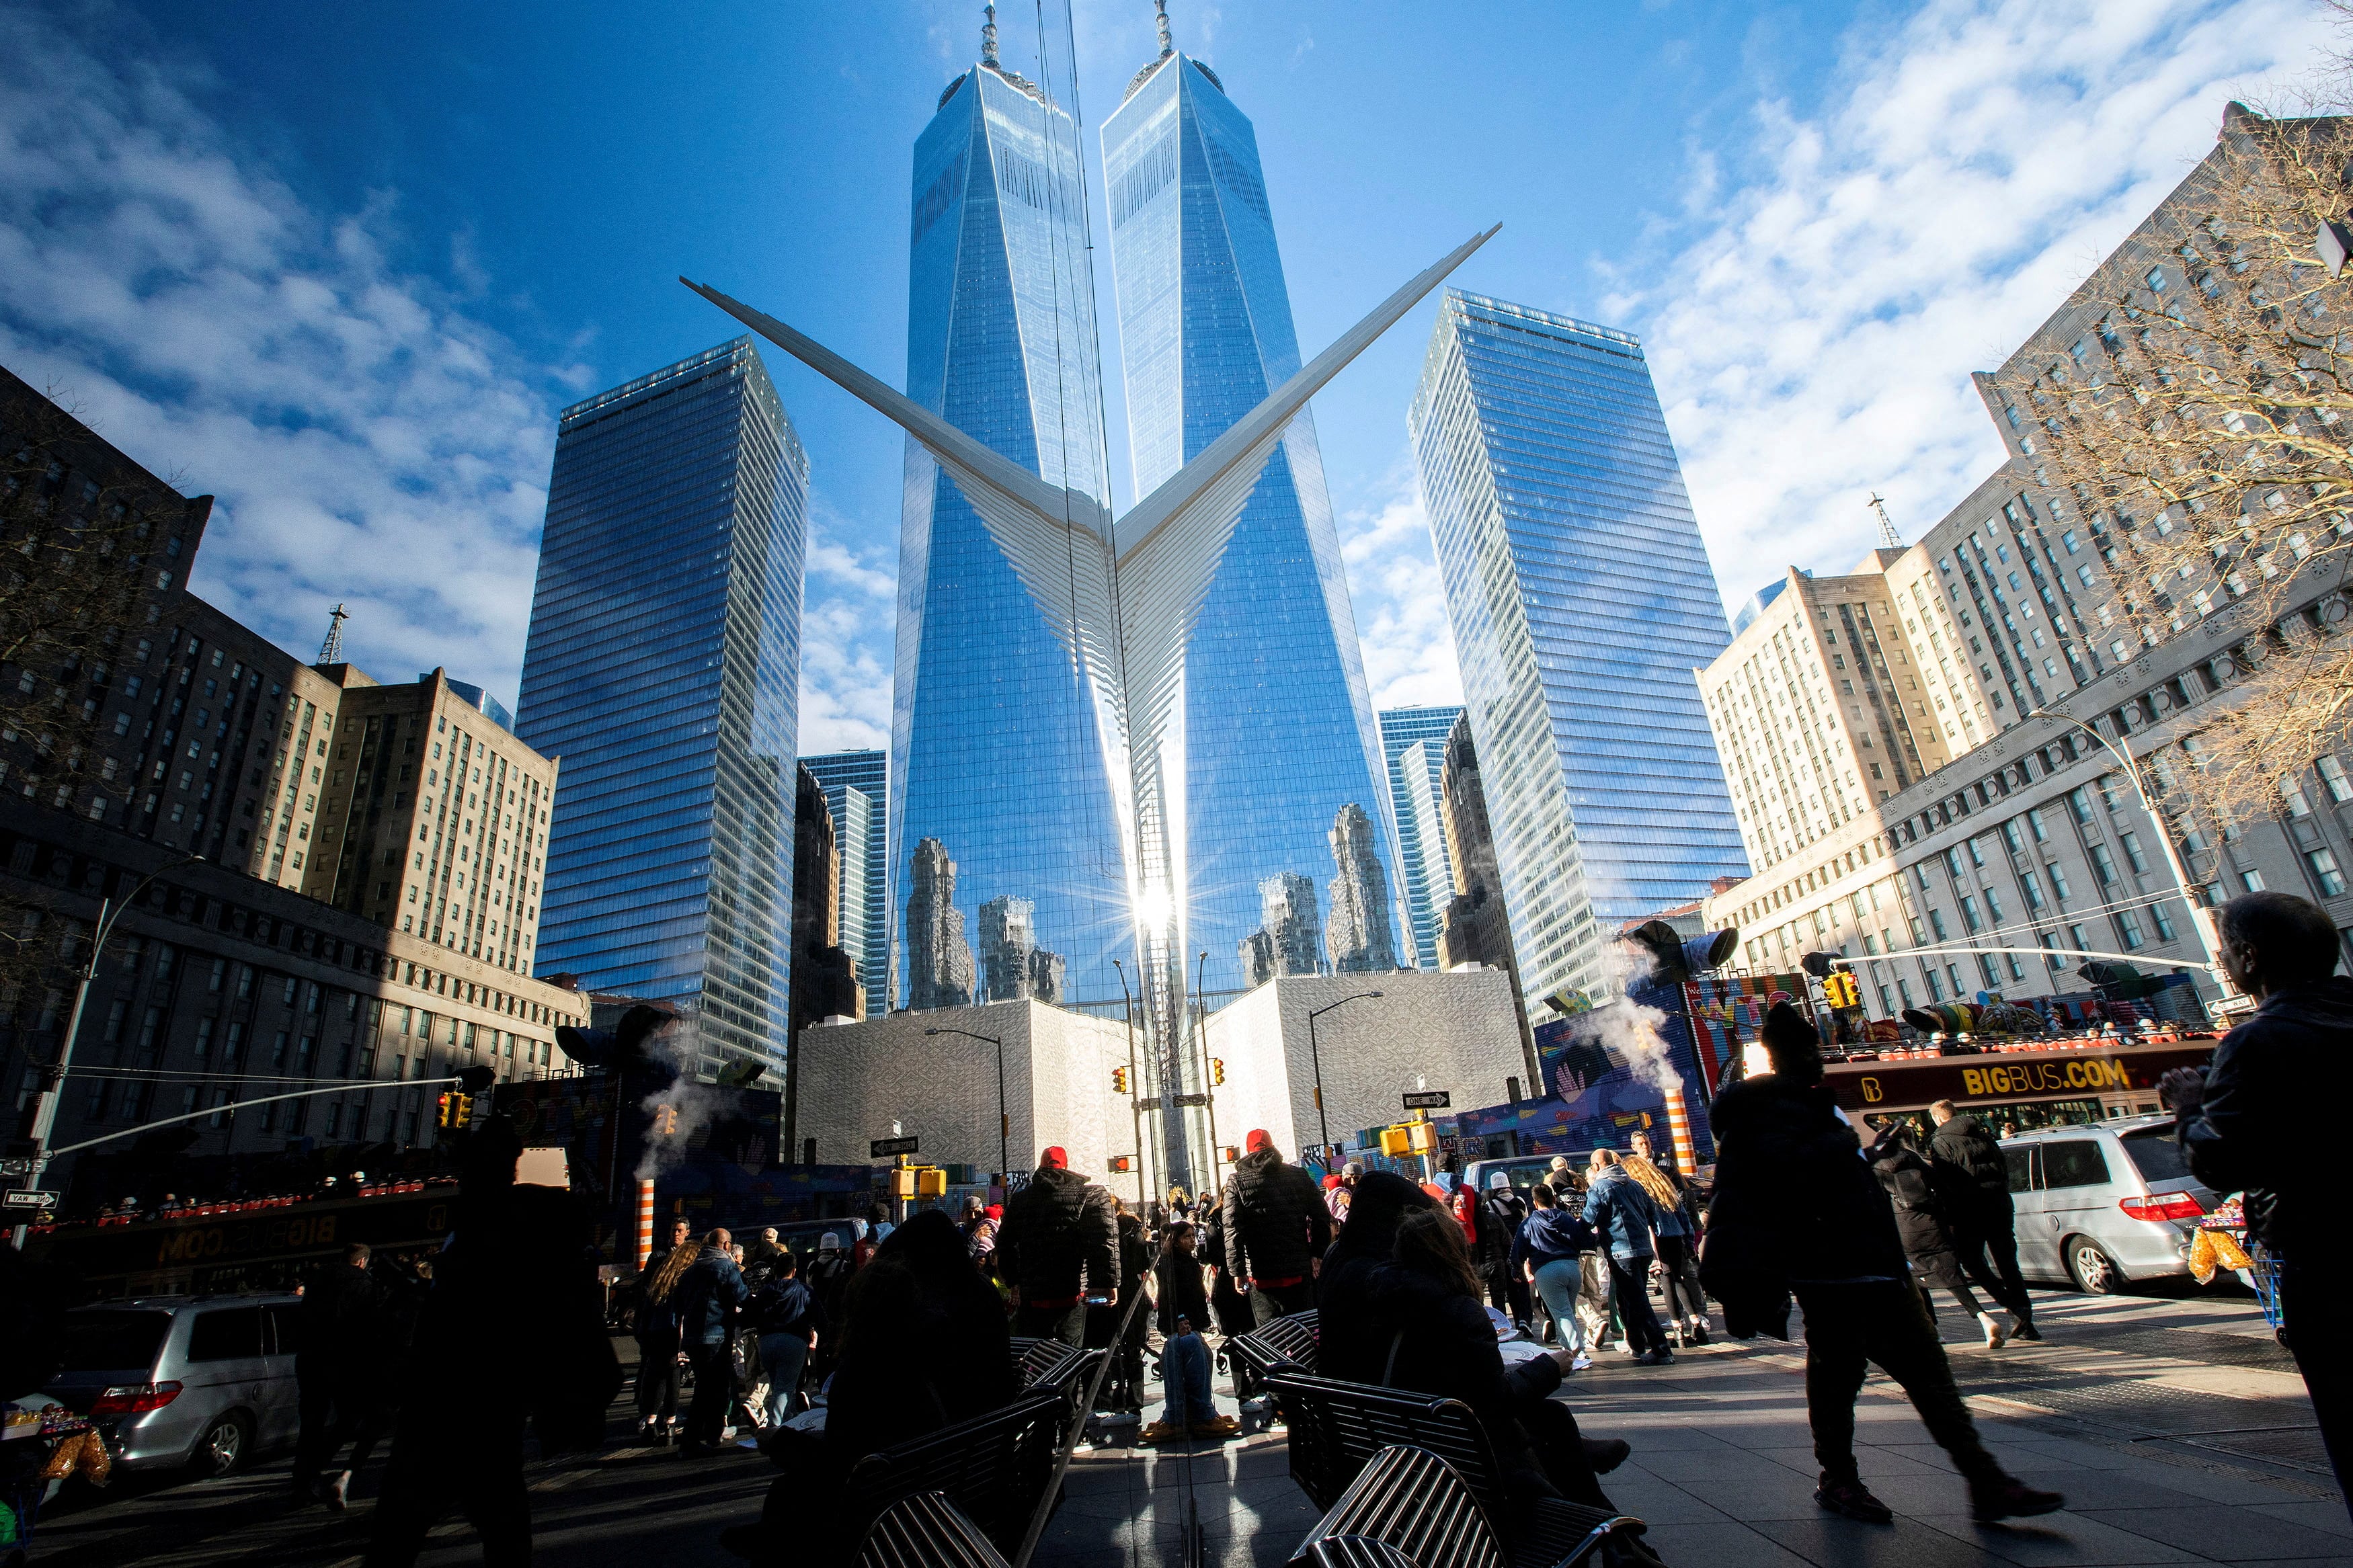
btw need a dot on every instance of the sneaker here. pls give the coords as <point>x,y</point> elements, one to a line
<point>1606,1454</point>
<point>2022,1328</point>
<point>2006,1497</point>
<point>1852,1499</point>
<point>339,1491</point>
<point>1581,1362</point>
<point>1996,1335</point>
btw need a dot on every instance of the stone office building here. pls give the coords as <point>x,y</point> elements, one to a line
<point>360,915</point>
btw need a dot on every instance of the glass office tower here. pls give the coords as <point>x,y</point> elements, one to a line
<point>1278,733</point>
<point>858,796</point>
<point>664,667</point>
<point>1413,739</point>
<point>1582,602</point>
<point>997,759</point>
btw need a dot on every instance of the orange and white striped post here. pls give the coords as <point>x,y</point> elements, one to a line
<point>1679,1128</point>
<point>645,1222</point>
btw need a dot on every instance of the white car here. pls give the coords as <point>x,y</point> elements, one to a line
<point>2104,1204</point>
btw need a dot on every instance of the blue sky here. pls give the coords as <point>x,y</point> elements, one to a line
<point>341,265</point>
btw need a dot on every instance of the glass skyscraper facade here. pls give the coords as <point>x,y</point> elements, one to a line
<point>997,754</point>
<point>1278,735</point>
<point>1582,604</point>
<point>663,666</point>
<point>1413,741</point>
<point>857,797</point>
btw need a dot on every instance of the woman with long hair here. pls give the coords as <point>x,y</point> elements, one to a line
<point>658,1345</point>
<point>1179,1288</point>
<point>1677,1237</point>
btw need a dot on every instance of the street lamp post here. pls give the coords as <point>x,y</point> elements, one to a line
<point>1201,1036</point>
<point>45,1110</point>
<point>1003,1117</point>
<point>2199,916</point>
<point>1135,1088</point>
<point>1315,1056</point>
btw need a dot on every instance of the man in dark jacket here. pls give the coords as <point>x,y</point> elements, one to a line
<point>1059,1247</point>
<point>2260,1121</point>
<point>1501,1213</point>
<point>787,1319</point>
<point>1276,1230</point>
<point>339,1369</point>
<point>1795,1208</point>
<point>1972,1178</point>
<point>1920,1220</point>
<point>707,1299</point>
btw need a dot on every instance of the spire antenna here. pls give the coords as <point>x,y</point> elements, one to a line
<point>988,36</point>
<point>1888,537</point>
<point>331,650</point>
<point>1166,47</point>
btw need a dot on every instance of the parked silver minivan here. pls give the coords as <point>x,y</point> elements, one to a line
<point>2104,1204</point>
<point>206,1381</point>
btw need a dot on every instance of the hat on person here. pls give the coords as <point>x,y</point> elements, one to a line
<point>829,1242</point>
<point>995,1211</point>
<point>1257,1140</point>
<point>1054,1158</point>
<point>1791,1040</point>
<point>1353,1168</point>
<point>1332,1183</point>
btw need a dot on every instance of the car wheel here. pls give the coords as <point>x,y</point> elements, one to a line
<point>226,1444</point>
<point>2095,1273</point>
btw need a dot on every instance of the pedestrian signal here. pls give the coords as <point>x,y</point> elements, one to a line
<point>1397,1141</point>
<point>931,1182</point>
<point>1229,1155</point>
<point>1123,1161</point>
<point>457,1110</point>
<point>1216,1069</point>
<point>1119,1080</point>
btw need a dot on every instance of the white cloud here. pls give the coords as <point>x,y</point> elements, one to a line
<point>846,642</point>
<point>1826,288</point>
<point>1400,604</point>
<point>367,442</point>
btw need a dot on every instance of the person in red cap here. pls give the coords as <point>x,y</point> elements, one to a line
<point>1058,1248</point>
<point>1276,1230</point>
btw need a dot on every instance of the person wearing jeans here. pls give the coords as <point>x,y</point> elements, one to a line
<point>1624,1218</point>
<point>1545,1254</point>
<point>1191,1409</point>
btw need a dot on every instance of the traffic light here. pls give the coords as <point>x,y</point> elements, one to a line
<point>903,1182</point>
<point>1216,1069</point>
<point>1840,989</point>
<point>931,1182</point>
<point>1119,1080</point>
<point>1123,1161</point>
<point>1229,1155</point>
<point>1397,1141</point>
<point>457,1111</point>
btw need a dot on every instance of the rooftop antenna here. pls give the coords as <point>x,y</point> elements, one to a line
<point>1166,47</point>
<point>1887,536</point>
<point>989,37</point>
<point>331,650</point>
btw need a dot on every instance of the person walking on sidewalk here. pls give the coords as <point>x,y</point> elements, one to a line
<point>1625,1217</point>
<point>1276,1230</point>
<point>708,1296</point>
<point>340,1370</point>
<point>1678,1238</point>
<point>1910,1182</point>
<point>1795,1208</point>
<point>1059,1246</point>
<point>2255,1123</point>
<point>1501,1213</point>
<point>786,1316</point>
<point>1547,1254</point>
<point>1972,1177</point>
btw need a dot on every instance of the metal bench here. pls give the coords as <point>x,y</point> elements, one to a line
<point>995,1468</point>
<point>926,1532</point>
<point>1409,1502</point>
<point>1338,1428</point>
<point>1286,1344</point>
<point>1051,1365</point>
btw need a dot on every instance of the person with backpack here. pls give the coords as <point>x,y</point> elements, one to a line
<point>1625,1217</point>
<point>1972,1179</point>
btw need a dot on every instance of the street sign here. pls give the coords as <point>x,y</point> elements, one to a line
<point>1325,1154</point>
<point>1192,1099</point>
<point>16,1167</point>
<point>34,1200</point>
<point>883,1147</point>
<point>1427,1099</point>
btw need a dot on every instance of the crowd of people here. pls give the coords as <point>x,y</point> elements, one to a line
<point>901,1330</point>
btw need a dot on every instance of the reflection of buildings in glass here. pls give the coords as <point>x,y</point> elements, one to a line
<point>825,972</point>
<point>857,795</point>
<point>1290,937</point>
<point>1360,932</point>
<point>671,694</point>
<point>1581,601</point>
<point>939,960</point>
<point>1278,730</point>
<point>1414,740</point>
<point>996,745</point>
<point>1012,964</point>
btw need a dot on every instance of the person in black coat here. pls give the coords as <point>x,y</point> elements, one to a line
<point>2260,1121</point>
<point>1972,1177</point>
<point>1415,1321</point>
<point>1911,1186</point>
<point>922,1346</point>
<point>1500,1213</point>
<point>1276,1230</point>
<point>1795,1208</point>
<point>1059,1245</point>
<point>338,1369</point>
<point>1228,1306</point>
